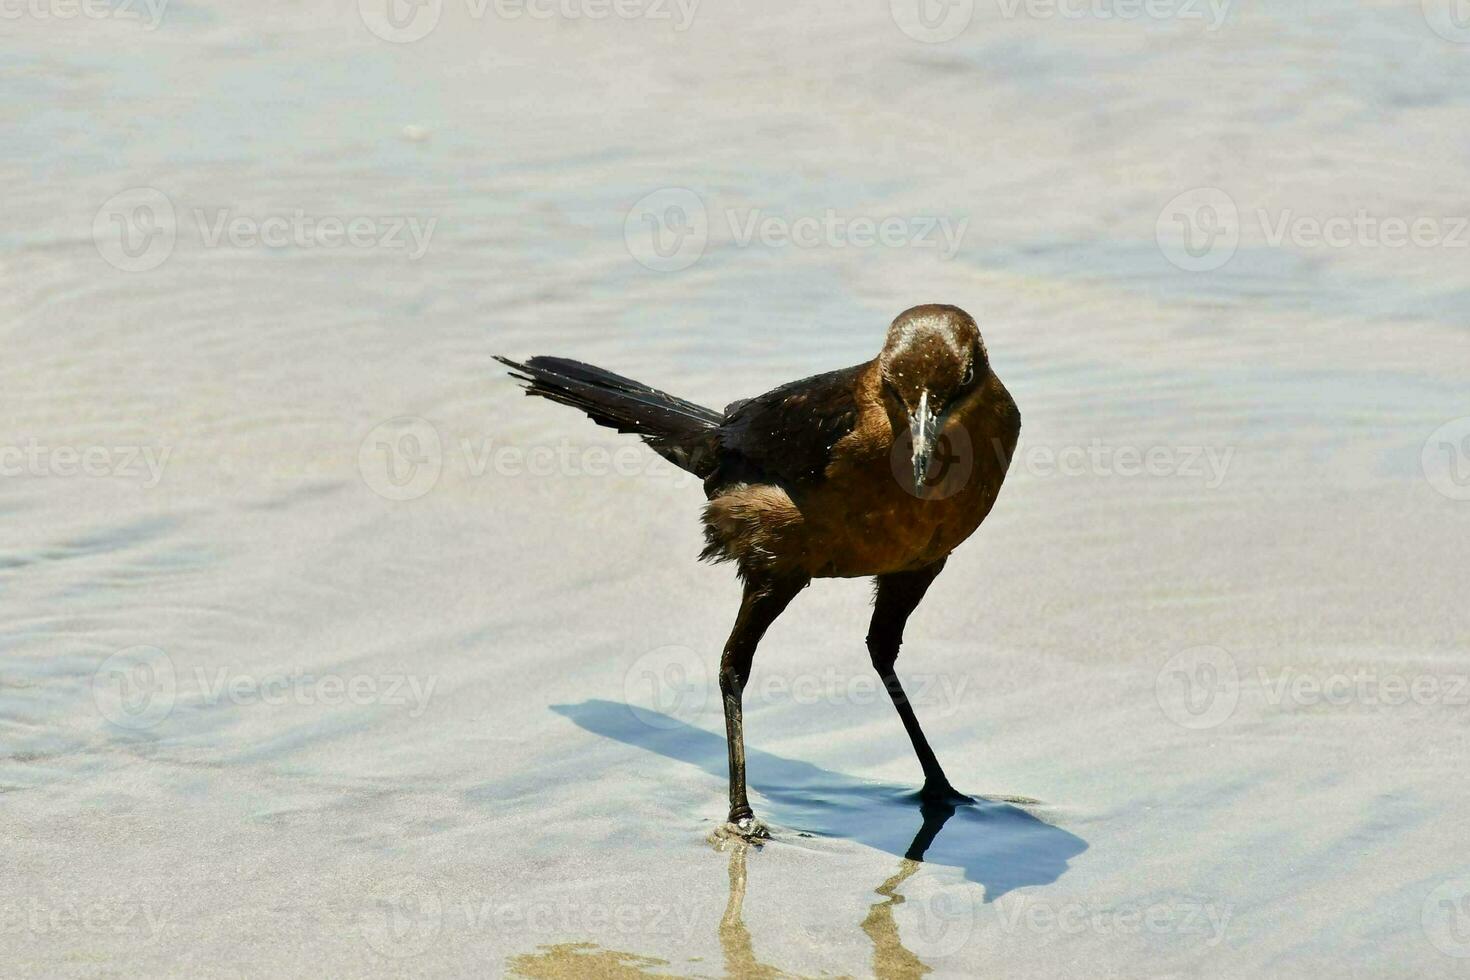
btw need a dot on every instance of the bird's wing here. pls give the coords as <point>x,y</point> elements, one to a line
<point>786,435</point>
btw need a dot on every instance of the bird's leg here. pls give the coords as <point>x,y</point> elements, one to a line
<point>763,601</point>
<point>897,597</point>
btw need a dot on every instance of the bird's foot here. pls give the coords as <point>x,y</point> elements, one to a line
<point>940,791</point>
<point>743,825</point>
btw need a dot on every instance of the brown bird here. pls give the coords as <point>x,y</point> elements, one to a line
<point>880,469</point>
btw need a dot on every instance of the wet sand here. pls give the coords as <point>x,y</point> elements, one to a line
<point>327,653</point>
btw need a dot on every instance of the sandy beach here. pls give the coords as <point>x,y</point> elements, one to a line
<point>326,653</point>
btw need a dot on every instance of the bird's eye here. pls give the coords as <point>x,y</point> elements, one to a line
<point>969,375</point>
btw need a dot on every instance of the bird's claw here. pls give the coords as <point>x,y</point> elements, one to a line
<point>943,793</point>
<point>746,828</point>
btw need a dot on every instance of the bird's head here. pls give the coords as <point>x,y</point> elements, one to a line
<point>932,362</point>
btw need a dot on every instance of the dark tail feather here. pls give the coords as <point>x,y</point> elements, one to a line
<point>680,431</point>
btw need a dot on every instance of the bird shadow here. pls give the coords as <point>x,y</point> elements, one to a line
<point>996,843</point>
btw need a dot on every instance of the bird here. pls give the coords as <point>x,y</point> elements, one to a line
<point>878,470</point>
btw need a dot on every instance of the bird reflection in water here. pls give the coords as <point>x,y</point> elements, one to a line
<point>892,960</point>
<point>997,844</point>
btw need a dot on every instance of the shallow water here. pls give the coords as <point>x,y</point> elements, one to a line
<point>327,652</point>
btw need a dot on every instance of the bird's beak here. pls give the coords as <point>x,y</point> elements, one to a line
<point>924,425</point>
